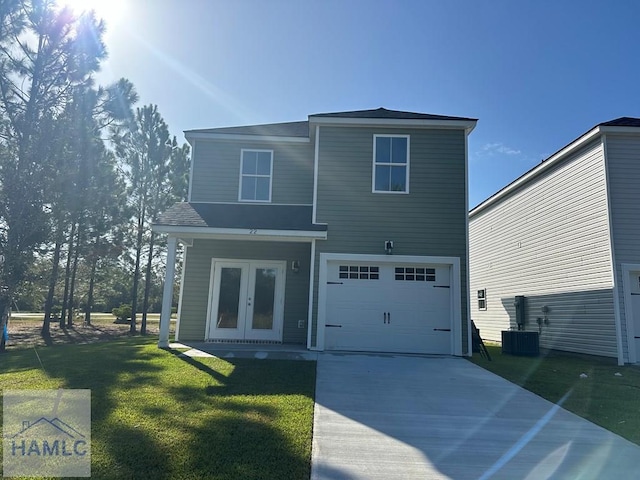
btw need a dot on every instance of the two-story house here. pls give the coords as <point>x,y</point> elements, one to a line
<point>565,239</point>
<point>347,231</point>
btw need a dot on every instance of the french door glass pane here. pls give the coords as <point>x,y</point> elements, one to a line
<point>229,300</point>
<point>263,299</point>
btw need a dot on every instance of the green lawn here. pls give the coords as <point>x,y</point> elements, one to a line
<point>157,415</point>
<point>602,397</point>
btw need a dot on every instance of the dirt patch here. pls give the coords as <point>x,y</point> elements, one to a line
<point>26,333</point>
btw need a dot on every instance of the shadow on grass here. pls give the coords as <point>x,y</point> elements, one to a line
<point>156,414</point>
<point>242,432</point>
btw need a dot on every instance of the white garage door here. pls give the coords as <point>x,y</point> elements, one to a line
<point>388,307</point>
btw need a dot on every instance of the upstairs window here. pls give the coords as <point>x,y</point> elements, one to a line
<point>255,175</point>
<point>391,163</point>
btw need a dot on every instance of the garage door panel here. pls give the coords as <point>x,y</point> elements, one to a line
<point>402,308</point>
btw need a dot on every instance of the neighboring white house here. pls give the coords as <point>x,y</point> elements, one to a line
<point>566,236</point>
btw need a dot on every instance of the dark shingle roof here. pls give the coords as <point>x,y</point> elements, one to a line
<point>388,114</point>
<point>622,122</point>
<point>301,129</point>
<point>245,216</point>
<point>288,129</point>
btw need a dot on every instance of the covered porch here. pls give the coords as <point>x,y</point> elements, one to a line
<point>247,272</point>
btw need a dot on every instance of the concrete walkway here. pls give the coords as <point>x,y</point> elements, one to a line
<point>402,417</point>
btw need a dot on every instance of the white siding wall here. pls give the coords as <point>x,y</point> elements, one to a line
<point>623,164</point>
<point>549,241</point>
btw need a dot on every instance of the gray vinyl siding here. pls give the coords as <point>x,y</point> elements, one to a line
<point>549,241</point>
<point>623,165</point>
<point>193,313</point>
<point>216,171</point>
<point>430,220</point>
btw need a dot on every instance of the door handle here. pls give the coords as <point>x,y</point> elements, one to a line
<point>385,317</point>
<point>389,317</point>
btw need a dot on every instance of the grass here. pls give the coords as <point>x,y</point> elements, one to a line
<point>603,397</point>
<point>158,415</point>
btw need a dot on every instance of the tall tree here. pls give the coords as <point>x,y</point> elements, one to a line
<point>45,52</point>
<point>169,185</point>
<point>156,172</point>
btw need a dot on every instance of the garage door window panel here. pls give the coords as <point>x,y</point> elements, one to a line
<point>358,272</point>
<point>417,274</point>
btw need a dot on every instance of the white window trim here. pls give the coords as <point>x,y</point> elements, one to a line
<point>240,199</point>
<point>484,298</point>
<point>373,168</point>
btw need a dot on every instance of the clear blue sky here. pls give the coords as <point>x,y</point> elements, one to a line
<point>537,74</point>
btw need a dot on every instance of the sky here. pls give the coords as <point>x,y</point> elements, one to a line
<point>536,74</point>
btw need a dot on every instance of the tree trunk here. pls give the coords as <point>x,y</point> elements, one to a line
<point>92,278</point>
<point>67,275</point>
<point>52,283</point>
<point>136,273</point>
<point>147,285</point>
<point>5,305</point>
<point>72,287</point>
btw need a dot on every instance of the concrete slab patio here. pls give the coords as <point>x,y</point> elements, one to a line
<point>410,417</point>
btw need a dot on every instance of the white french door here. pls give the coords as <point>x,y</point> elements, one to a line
<point>246,301</point>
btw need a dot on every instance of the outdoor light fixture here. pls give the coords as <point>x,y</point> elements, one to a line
<point>388,247</point>
<point>295,266</point>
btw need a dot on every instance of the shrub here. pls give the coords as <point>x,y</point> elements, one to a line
<point>122,313</point>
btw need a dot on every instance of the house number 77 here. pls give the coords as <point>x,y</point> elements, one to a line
<point>253,231</point>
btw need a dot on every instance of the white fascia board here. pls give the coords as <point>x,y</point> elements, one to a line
<point>245,138</point>
<point>240,233</point>
<point>467,125</point>
<point>542,167</point>
<point>621,130</point>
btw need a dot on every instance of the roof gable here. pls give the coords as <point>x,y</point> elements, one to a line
<point>383,113</point>
<point>295,130</point>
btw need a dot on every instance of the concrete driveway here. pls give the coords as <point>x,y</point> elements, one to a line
<point>404,417</point>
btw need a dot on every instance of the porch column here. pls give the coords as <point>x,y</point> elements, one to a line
<point>167,293</point>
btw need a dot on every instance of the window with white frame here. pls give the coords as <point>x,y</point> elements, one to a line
<point>391,163</point>
<point>482,299</point>
<point>255,175</point>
